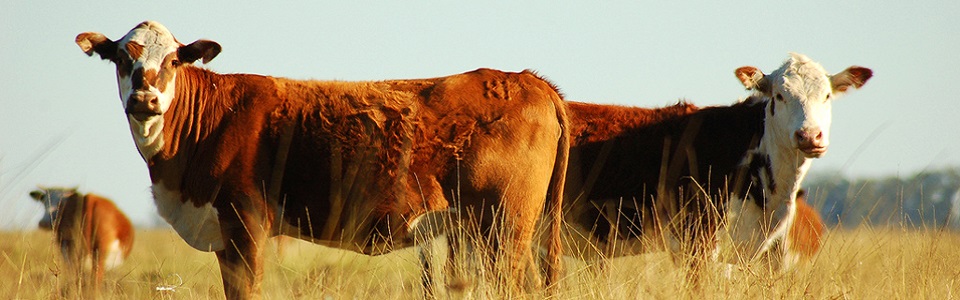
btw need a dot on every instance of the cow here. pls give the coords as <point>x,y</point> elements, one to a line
<point>92,233</point>
<point>360,166</point>
<point>805,237</point>
<point>682,178</point>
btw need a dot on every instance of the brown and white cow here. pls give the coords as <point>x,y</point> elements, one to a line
<point>643,179</point>
<point>92,232</point>
<point>360,166</point>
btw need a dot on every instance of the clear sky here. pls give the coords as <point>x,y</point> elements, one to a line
<point>61,121</point>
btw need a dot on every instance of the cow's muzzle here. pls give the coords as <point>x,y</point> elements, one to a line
<point>143,105</point>
<point>811,142</point>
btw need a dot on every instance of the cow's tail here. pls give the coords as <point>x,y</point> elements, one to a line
<point>555,196</point>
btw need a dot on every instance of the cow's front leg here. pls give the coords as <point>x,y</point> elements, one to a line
<point>241,266</point>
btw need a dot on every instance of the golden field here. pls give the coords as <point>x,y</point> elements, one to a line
<point>866,263</point>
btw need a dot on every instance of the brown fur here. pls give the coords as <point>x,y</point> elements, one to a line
<point>362,159</point>
<point>806,234</point>
<point>85,227</point>
<point>354,165</point>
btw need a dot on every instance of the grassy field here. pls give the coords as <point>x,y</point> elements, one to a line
<point>866,263</point>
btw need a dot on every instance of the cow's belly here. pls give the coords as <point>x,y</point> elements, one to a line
<point>198,226</point>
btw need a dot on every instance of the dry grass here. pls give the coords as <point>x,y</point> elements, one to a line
<point>861,264</point>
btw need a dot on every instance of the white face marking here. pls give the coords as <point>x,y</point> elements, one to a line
<point>801,114</point>
<point>198,226</point>
<point>144,72</point>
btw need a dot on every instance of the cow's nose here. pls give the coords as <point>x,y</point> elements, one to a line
<point>143,105</point>
<point>144,100</point>
<point>811,142</point>
<point>809,136</point>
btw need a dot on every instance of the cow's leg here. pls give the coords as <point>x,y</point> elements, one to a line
<point>99,252</point>
<point>428,226</point>
<point>522,260</point>
<point>460,261</point>
<point>97,263</point>
<point>700,237</point>
<point>519,204</point>
<point>241,267</point>
<point>426,274</point>
<point>521,207</point>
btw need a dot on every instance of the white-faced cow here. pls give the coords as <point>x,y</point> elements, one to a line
<point>235,158</point>
<point>92,232</point>
<point>644,179</point>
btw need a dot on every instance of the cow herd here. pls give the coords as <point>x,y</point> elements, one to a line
<point>376,166</point>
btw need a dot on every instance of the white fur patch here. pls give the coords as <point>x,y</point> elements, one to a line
<point>198,226</point>
<point>157,43</point>
<point>743,222</point>
<point>147,135</point>
<point>805,90</point>
<point>113,255</point>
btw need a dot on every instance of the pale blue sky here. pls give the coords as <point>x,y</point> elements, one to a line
<point>61,121</point>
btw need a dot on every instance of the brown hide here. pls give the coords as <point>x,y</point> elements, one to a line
<point>637,155</point>
<point>86,227</point>
<point>351,164</point>
<point>806,233</point>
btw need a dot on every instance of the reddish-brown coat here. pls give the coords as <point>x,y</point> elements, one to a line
<point>409,144</point>
<point>353,165</point>
<point>806,234</point>
<point>86,227</point>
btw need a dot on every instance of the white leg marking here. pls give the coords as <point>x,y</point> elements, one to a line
<point>113,255</point>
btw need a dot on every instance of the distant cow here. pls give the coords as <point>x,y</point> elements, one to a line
<point>643,179</point>
<point>91,231</point>
<point>360,166</point>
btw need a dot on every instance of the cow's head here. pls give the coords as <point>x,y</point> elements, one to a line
<point>800,94</point>
<point>53,200</point>
<point>147,60</point>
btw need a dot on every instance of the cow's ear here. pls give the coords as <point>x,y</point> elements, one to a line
<point>37,195</point>
<point>201,49</point>
<point>753,79</point>
<point>91,42</point>
<point>854,76</point>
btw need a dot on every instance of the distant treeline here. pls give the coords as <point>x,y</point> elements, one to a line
<point>930,199</point>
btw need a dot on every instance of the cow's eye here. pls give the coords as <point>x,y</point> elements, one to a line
<point>175,62</point>
<point>779,97</point>
<point>828,97</point>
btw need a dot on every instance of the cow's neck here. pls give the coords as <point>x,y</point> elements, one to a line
<point>776,170</point>
<point>187,122</point>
